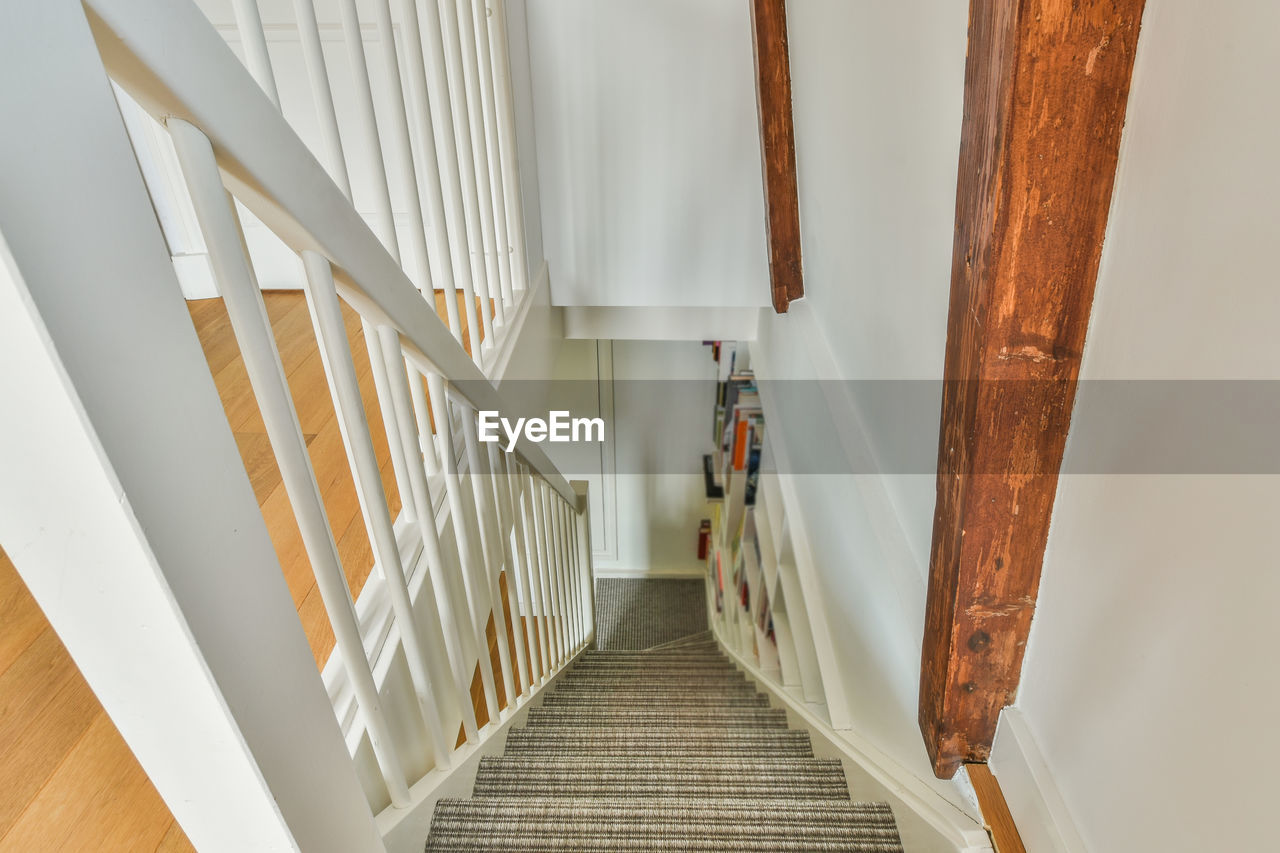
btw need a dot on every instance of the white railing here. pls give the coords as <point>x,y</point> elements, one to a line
<point>470,513</point>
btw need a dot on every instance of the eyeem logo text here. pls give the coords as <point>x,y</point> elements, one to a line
<point>557,427</point>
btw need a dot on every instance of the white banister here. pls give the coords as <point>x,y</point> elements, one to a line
<point>556,583</point>
<point>457,20</point>
<point>215,212</point>
<point>426,30</point>
<point>446,27</point>
<point>402,153</point>
<point>538,633</point>
<point>335,354</point>
<point>272,172</point>
<point>249,24</point>
<point>445,264</point>
<point>489,111</point>
<point>511,542</point>
<point>499,49</point>
<point>533,508</point>
<point>481,489</point>
<point>322,93</point>
<point>472,563</point>
<point>567,570</point>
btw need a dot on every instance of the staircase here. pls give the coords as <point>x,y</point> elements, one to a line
<point>670,748</point>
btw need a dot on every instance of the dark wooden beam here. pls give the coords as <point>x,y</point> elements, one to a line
<point>778,151</point>
<point>1046,84</point>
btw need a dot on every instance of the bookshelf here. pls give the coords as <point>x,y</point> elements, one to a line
<point>754,599</point>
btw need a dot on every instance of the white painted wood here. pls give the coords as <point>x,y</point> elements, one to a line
<point>1037,806</point>
<point>541,547</point>
<point>385,224</point>
<point>499,50</point>
<point>524,572</point>
<point>331,334</point>
<point>480,485</point>
<point>455,616</point>
<point>322,93</point>
<point>464,136</point>
<point>537,602</point>
<point>87,502</point>
<point>215,211</point>
<point>489,112</point>
<point>429,167</point>
<point>502,489</point>
<point>249,23</point>
<point>273,174</point>
<point>583,509</point>
<point>642,323</point>
<point>479,150</point>
<point>446,145</point>
<point>470,556</point>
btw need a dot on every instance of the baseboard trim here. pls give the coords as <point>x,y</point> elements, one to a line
<point>1034,800</point>
<point>684,574</point>
<point>405,830</point>
<point>954,825</point>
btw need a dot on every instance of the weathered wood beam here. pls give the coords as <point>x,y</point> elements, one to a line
<point>778,151</point>
<point>1046,84</point>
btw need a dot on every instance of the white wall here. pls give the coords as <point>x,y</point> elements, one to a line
<point>877,99</point>
<point>1148,685</point>
<point>648,152</point>
<point>646,490</point>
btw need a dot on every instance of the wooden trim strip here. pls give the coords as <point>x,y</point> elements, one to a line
<point>995,811</point>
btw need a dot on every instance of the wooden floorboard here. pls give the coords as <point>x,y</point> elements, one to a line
<point>69,780</point>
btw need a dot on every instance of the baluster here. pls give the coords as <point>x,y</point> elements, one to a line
<point>462,533</point>
<point>508,144</point>
<point>385,224</point>
<point>571,571</point>
<point>484,193</point>
<point>544,574</point>
<point>501,487</point>
<point>335,354</point>
<point>553,571</point>
<point>254,40</point>
<point>515,481</point>
<point>451,46</point>
<point>322,93</point>
<point>490,113</point>
<point>448,267</point>
<point>491,544</point>
<point>215,211</point>
<point>538,633</point>
<point>456,618</point>
<point>402,155</point>
<point>566,599</point>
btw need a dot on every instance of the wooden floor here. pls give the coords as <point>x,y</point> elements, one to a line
<point>68,782</point>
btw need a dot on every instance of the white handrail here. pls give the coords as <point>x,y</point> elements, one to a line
<point>271,171</point>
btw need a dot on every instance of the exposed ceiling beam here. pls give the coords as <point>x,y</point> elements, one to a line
<point>1046,84</point>
<point>778,151</point>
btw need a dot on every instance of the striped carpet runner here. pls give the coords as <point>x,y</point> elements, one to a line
<point>665,749</point>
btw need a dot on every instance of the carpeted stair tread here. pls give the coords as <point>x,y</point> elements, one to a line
<point>610,698</point>
<point>533,776</point>
<point>569,715</point>
<point>663,824</point>
<point>665,749</point>
<point>641,741</point>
